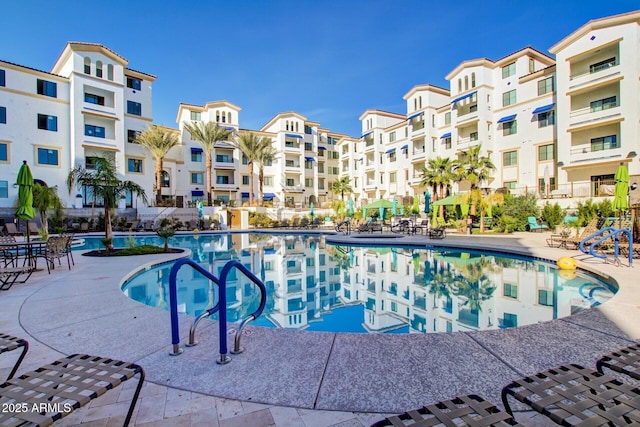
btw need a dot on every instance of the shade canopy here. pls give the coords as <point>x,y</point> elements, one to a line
<point>447,201</point>
<point>25,193</point>
<point>621,192</point>
<point>378,204</point>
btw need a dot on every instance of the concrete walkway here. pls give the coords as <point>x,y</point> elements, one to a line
<point>297,378</point>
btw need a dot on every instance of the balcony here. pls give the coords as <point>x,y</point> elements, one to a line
<point>463,144</point>
<point>604,114</point>
<point>225,164</point>
<point>292,146</point>
<point>418,151</point>
<point>464,119</point>
<point>604,188</point>
<point>599,75</point>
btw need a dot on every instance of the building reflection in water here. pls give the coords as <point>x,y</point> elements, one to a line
<point>314,285</point>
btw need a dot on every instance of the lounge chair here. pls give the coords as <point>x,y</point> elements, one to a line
<point>557,240</point>
<point>572,395</point>
<point>532,224</point>
<point>149,226</point>
<point>9,276</point>
<point>459,411</point>
<point>624,361</point>
<point>10,343</point>
<point>64,386</point>
<point>11,229</point>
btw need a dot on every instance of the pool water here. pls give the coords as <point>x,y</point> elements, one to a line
<point>318,286</point>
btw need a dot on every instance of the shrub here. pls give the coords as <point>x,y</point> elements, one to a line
<point>553,214</point>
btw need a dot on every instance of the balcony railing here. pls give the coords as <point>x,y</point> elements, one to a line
<point>602,188</point>
<point>595,70</point>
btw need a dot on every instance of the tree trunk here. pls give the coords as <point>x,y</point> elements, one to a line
<point>158,182</point>
<point>261,187</point>
<point>108,232</point>
<point>208,163</point>
<point>250,183</point>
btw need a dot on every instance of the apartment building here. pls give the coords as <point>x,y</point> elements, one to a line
<point>88,106</point>
<point>557,127</point>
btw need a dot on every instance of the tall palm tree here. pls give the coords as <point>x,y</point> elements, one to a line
<point>207,134</point>
<point>265,157</point>
<point>159,141</point>
<point>251,145</point>
<point>45,198</point>
<point>438,174</point>
<point>474,168</point>
<point>341,186</point>
<point>104,184</point>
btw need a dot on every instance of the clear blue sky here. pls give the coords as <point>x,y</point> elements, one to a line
<point>328,60</point>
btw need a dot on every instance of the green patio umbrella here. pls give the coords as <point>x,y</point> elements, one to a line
<point>621,179</point>
<point>427,202</point>
<point>311,210</point>
<point>416,204</point>
<point>350,211</point>
<point>378,204</point>
<point>25,195</point>
<point>394,208</point>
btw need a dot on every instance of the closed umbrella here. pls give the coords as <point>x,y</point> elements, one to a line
<point>25,195</point>
<point>350,207</point>
<point>394,208</point>
<point>311,211</point>
<point>621,192</point>
<point>427,202</point>
<point>416,204</point>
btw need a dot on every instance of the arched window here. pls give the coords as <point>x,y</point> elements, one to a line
<point>466,82</point>
<point>286,125</point>
<point>459,85</point>
<point>420,102</point>
<point>99,69</point>
<point>165,180</point>
<point>224,117</point>
<point>473,79</point>
<point>217,116</point>
<point>87,65</point>
<point>415,104</point>
<point>297,130</point>
<point>110,72</point>
<point>229,117</point>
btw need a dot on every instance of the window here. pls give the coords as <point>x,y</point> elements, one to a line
<point>245,179</point>
<point>4,152</point>
<point>290,182</point>
<point>604,104</point>
<point>2,78</point>
<point>392,136</point>
<point>196,116</point>
<point>95,131</point>
<point>546,86</point>
<point>546,152</point>
<point>197,177</point>
<point>447,118</point>
<point>308,164</point>
<point>473,80</point>
<point>509,321</point>
<point>87,65</point>
<point>308,130</point>
<point>196,156</point>
<point>392,156</point>
<point>510,158</point>
<point>223,158</point>
<point>132,135</point>
<point>602,65</point>
<point>511,185</point>
<point>308,182</point>
<point>245,161</point>
<point>510,290</point>
<point>134,83</point>
<point>268,180</point>
<point>47,156</point>
<point>308,146</point>
<point>47,88</point>
<point>547,118</point>
<point>93,99</point>
<point>509,70</point>
<point>91,162</point>
<point>99,69</point>
<point>134,108</point>
<point>532,65</point>
<point>473,136</point>
<point>447,143</point>
<point>3,115</point>
<point>542,187</point>
<point>393,177</point>
<point>545,297</point>
<point>509,98</point>
<point>510,128</point>
<point>604,143</point>
<point>110,72</point>
<point>134,165</point>
<point>47,122</point>
<point>165,180</point>
<point>222,179</point>
<point>4,189</point>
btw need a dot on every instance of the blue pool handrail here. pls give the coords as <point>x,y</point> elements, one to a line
<point>220,306</point>
<point>611,233</point>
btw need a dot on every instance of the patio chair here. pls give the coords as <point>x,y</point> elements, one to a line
<point>8,253</point>
<point>574,395</point>
<point>55,249</point>
<point>62,387</point>
<point>9,276</point>
<point>84,227</point>
<point>11,229</point>
<point>624,361</point>
<point>593,226</point>
<point>10,343</point>
<point>149,226</point>
<point>468,410</point>
<point>532,225</point>
<point>215,224</point>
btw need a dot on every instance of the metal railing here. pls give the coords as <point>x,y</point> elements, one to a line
<point>220,307</point>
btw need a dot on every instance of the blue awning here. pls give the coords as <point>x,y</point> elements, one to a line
<point>405,147</point>
<point>247,194</point>
<point>229,128</point>
<point>543,109</point>
<point>460,98</point>
<point>413,116</point>
<point>361,159</point>
<point>320,147</point>
<point>310,159</point>
<point>293,135</point>
<point>197,193</point>
<point>364,135</point>
<point>446,135</point>
<point>507,118</point>
<point>268,195</point>
<point>269,251</point>
<point>390,150</point>
<point>196,150</point>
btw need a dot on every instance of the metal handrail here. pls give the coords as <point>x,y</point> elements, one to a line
<point>613,233</point>
<point>173,303</point>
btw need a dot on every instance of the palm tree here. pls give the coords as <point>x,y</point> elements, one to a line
<point>265,157</point>
<point>341,186</point>
<point>438,174</point>
<point>104,184</point>
<point>475,168</point>
<point>208,134</point>
<point>45,198</point>
<point>159,141</point>
<point>251,145</point>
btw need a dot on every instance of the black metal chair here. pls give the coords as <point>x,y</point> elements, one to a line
<point>468,410</point>
<point>10,343</point>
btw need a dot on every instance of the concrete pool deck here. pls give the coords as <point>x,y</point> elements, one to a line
<point>290,378</point>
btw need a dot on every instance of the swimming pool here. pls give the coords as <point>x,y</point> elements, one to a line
<point>318,286</point>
